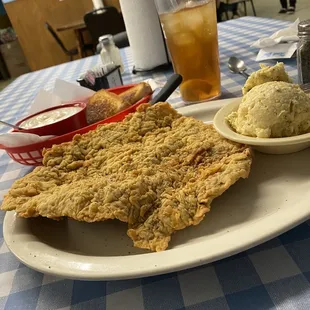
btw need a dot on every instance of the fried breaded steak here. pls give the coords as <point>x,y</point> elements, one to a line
<point>157,170</point>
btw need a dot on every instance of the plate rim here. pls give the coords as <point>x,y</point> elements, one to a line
<point>198,261</point>
<point>172,259</point>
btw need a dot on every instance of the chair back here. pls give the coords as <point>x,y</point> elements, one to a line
<point>56,37</point>
<point>106,20</point>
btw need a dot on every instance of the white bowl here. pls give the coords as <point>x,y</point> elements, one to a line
<point>264,145</point>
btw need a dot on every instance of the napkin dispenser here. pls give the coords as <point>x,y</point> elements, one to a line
<point>110,79</point>
<point>145,35</point>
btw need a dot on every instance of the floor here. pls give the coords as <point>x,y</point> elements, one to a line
<point>270,8</point>
<point>264,8</point>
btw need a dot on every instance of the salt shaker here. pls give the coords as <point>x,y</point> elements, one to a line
<point>303,52</point>
<point>110,52</point>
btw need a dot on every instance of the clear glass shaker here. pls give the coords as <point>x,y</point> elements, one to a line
<point>110,52</point>
<point>303,52</point>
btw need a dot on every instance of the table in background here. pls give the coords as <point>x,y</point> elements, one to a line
<point>76,25</point>
<point>273,275</point>
<point>79,28</point>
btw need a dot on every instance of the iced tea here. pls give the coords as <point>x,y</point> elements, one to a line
<point>191,35</point>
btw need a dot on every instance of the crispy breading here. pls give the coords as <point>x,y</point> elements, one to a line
<point>157,170</point>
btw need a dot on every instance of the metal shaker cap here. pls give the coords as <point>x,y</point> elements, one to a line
<point>304,28</point>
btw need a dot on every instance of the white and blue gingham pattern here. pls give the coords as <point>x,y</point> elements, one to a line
<point>274,275</point>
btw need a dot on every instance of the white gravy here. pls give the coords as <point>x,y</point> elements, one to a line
<point>49,117</point>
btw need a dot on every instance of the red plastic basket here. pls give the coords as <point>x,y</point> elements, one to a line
<point>31,155</point>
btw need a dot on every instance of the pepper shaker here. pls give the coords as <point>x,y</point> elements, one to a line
<point>303,52</point>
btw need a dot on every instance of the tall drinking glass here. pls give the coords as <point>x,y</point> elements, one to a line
<point>190,29</point>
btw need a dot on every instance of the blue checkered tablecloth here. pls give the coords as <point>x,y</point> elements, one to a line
<point>274,275</point>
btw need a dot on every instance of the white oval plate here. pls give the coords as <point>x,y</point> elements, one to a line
<point>274,199</point>
<point>285,145</point>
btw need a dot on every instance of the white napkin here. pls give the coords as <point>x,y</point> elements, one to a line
<point>44,100</point>
<point>63,92</point>
<point>282,44</point>
<point>15,139</point>
<point>68,91</point>
<point>288,34</point>
<point>144,33</point>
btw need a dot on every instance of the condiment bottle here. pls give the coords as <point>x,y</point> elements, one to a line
<point>303,52</point>
<point>110,52</point>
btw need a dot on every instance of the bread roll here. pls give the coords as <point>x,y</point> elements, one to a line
<point>102,105</point>
<point>136,93</point>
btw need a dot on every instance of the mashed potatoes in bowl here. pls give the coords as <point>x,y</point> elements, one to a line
<point>273,116</point>
<point>272,110</point>
<point>266,74</point>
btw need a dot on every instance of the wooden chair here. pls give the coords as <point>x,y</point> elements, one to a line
<point>106,20</point>
<point>69,52</point>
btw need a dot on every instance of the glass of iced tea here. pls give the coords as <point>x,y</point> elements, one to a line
<point>190,29</point>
